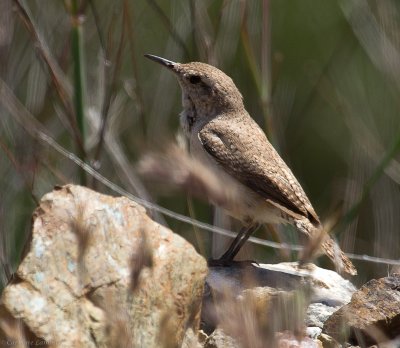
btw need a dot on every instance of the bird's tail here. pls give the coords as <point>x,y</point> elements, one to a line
<point>320,240</point>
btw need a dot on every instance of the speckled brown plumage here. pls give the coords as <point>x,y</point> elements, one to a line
<point>237,143</point>
<point>226,139</point>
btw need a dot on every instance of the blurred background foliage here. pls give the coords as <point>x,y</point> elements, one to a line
<point>322,78</point>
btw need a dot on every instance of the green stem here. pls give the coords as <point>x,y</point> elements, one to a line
<point>79,82</point>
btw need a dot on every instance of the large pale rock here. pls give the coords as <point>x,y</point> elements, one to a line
<point>252,302</point>
<point>100,273</point>
<point>372,316</point>
<point>328,287</point>
<point>288,340</point>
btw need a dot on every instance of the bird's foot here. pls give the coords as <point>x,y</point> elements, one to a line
<point>222,262</point>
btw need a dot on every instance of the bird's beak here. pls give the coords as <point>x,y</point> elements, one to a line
<point>167,63</point>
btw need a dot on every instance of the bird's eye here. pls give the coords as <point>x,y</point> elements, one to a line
<point>194,79</point>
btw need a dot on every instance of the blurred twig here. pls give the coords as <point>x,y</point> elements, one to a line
<point>170,27</point>
<point>385,56</point>
<point>340,104</point>
<point>248,50</point>
<point>79,77</point>
<point>107,137</point>
<point>379,170</point>
<point>23,169</point>
<point>125,170</point>
<point>373,39</point>
<point>110,82</point>
<point>261,76</point>
<point>97,24</point>
<point>265,95</point>
<point>143,257</point>
<point>136,88</point>
<point>227,26</point>
<point>36,130</point>
<point>61,85</point>
<point>202,31</point>
<point>374,147</point>
<point>192,8</point>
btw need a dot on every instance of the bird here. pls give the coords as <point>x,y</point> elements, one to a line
<point>225,138</point>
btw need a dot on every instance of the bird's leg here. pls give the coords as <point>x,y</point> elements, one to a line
<point>235,246</point>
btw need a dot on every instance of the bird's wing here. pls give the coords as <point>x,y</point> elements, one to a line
<point>243,151</point>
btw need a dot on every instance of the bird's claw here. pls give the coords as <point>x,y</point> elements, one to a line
<point>229,263</point>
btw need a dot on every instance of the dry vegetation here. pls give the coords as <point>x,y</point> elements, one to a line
<point>322,78</point>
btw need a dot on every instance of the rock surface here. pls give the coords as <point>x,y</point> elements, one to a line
<point>372,316</point>
<point>288,340</point>
<point>218,339</point>
<point>253,302</point>
<point>328,287</point>
<point>328,342</point>
<point>100,273</point>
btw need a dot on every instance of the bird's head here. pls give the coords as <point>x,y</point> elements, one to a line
<point>204,87</point>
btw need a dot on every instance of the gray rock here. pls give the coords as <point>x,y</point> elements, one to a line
<point>272,298</point>
<point>100,273</point>
<point>329,291</point>
<point>288,340</point>
<point>219,339</point>
<point>318,313</point>
<point>327,286</point>
<point>313,331</point>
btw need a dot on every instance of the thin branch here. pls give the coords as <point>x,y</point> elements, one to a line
<point>109,90</point>
<point>63,90</point>
<point>265,95</point>
<point>383,165</point>
<point>36,130</point>
<point>379,170</point>
<point>136,89</point>
<point>165,19</point>
<point>97,24</point>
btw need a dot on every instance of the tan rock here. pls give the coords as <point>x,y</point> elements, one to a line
<point>328,342</point>
<point>100,273</point>
<point>219,339</point>
<point>372,316</point>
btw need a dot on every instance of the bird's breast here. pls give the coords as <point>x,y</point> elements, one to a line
<point>187,120</point>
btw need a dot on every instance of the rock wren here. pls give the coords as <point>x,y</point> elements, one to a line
<point>224,137</point>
